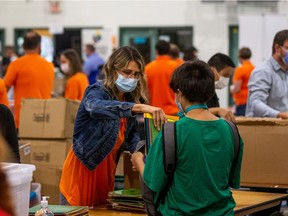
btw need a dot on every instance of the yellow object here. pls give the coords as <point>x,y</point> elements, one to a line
<point>169,117</point>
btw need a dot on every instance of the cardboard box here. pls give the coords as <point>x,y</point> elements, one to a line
<point>49,178</point>
<point>25,152</point>
<point>265,150</point>
<point>52,118</point>
<point>131,177</point>
<point>50,153</point>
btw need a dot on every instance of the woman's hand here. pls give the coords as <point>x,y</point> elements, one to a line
<point>159,117</point>
<point>158,114</point>
<point>224,113</point>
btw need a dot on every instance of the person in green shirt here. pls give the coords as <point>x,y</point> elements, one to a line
<point>205,166</point>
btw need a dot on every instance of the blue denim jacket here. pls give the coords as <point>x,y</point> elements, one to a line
<point>97,125</point>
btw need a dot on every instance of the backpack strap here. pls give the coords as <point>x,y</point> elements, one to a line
<point>169,157</point>
<point>236,138</point>
<point>169,149</point>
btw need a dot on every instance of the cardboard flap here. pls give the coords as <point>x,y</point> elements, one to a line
<point>49,152</point>
<point>261,121</point>
<point>55,111</point>
<point>265,151</point>
<point>33,112</point>
<point>51,118</point>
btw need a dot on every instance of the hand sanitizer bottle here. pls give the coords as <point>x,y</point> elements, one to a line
<point>44,207</point>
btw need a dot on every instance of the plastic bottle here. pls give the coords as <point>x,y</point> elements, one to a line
<point>44,207</point>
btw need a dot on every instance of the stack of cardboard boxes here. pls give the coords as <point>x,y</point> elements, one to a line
<point>46,131</point>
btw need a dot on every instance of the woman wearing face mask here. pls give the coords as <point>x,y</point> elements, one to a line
<point>104,127</point>
<point>77,81</point>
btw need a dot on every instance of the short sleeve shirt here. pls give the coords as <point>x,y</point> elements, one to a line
<point>204,171</point>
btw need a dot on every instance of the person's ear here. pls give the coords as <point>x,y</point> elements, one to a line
<point>277,48</point>
<point>216,74</point>
<point>178,94</point>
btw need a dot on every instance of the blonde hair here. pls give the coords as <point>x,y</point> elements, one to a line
<point>119,59</point>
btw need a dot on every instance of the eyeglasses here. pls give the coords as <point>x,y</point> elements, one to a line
<point>129,74</point>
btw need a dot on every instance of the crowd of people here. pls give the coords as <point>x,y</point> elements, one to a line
<point>106,123</point>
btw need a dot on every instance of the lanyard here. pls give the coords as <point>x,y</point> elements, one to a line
<point>196,106</point>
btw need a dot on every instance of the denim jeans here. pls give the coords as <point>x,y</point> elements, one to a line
<point>240,110</point>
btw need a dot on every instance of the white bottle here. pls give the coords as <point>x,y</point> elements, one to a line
<point>44,207</point>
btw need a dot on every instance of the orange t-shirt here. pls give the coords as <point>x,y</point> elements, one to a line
<point>83,187</point>
<point>32,77</point>
<point>179,61</point>
<point>158,73</point>
<point>242,73</point>
<point>76,86</point>
<point>3,94</point>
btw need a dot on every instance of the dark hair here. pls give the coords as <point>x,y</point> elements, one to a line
<point>279,39</point>
<point>220,61</point>
<point>162,47</point>
<point>74,60</point>
<point>195,80</point>
<point>31,40</point>
<point>245,53</point>
<point>189,53</point>
<point>90,47</point>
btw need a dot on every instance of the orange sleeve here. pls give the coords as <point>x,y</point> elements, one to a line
<point>237,74</point>
<point>3,94</point>
<point>11,75</point>
<point>71,90</point>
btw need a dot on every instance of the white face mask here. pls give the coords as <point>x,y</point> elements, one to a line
<point>222,82</point>
<point>65,68</point>
<point>126,84</point>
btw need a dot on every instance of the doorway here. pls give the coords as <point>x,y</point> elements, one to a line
<point>2,41</point>
<point>2,44</point>
<point>233,53</point>
<point>70,39</point>
<point>145,39</point>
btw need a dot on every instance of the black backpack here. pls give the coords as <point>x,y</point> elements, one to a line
<point>169,158</point>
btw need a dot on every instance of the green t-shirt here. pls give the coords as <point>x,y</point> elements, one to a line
<point>204,171</point>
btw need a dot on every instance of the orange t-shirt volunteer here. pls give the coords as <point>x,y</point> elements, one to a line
<point>179,61</point>
<point>158,73</point>
<point>76,86</point>
<point>242,73</point>
<point>3,94</point>
<point>32,77</point>
<point>80,186</point>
